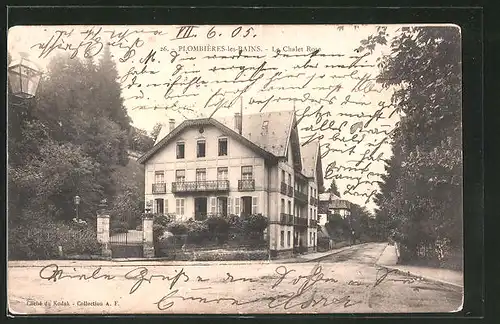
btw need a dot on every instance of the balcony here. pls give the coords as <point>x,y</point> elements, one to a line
<point>246,185</point>
<point>159,188</point>
<point>286,219</point>
<point>200,186</point>
<point>284,188</point>
<point>289,191</point>
<point>300,197</point>
<point>300,221</point>
<point>313,201</point>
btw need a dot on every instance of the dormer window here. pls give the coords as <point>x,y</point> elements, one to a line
<point>222,146</point>
<point>200,148</point>
<point>180,150</point>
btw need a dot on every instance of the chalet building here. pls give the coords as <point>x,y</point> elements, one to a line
<point>236,165</point>
<point>331,204</point>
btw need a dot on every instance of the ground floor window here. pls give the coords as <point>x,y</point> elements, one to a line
<point>159,206</point>
<point>179,206</point>
<point>288,238</point>
<point>282,239</point>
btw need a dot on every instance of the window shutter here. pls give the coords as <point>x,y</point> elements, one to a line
<point>166,206</point>
<point>254,205</point>
<point>182,207</point>
<point>213,204</point>
<point>237,206</point>
<point>229,209</point>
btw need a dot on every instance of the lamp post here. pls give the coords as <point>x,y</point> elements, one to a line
<point>24,77</point>
<point>77,203</point>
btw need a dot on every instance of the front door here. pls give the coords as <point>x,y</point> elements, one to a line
<point>222,206</point>
<point>246,205</point>
<point>200,208</point>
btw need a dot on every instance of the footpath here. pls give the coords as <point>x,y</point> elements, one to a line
<point>389,260</point>
<point>309,257</point>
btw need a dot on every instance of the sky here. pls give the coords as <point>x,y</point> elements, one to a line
<point>167,72</point>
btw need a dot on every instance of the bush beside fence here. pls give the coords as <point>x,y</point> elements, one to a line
<point>42,241</point>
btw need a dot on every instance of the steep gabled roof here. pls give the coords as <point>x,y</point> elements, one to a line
<point>311,161</point>
<point>268,130</point>
<point>203,122</point>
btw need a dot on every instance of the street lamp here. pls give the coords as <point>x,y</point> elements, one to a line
<point>24,77</point>
<point>77,203</point>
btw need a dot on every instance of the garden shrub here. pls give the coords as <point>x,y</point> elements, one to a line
<point>218,228</point>
<point>254,225</point>
<point>198,232</point>
<point>177,228</point>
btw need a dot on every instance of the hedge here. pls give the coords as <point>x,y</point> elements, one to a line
<point>42,241</point>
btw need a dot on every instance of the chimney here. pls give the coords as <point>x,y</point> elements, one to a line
<point>237,122</point>
<point>171,123</point>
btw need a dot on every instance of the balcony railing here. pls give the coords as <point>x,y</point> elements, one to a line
<point>300,221</point>
<point>286,219</point>
<point>200,186</point>
<point>246,185</point>
<point>159,188</point>
<point>283,188</point>
<point>313,201</point>
<point>289,191</point>
<point>300,196</point>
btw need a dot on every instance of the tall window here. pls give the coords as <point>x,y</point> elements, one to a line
<point>179,206</point>
<point>282,239</point>
<point>282,205</point>
<point>289,179</point>
<point>180,175</point>
<point>180,150</point>
<point>222,146</point>
<point>246,172</point>
<point>283,179</point>
<point>201,174</point>
<point>200,148</point>
<point>289,207</point>
<point>159,177</point>
<point>288,238</point>
<point>222,173</point>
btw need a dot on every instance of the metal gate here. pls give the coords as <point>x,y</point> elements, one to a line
<point>127,245</point>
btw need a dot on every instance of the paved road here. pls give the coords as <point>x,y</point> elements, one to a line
<point>346,282</point>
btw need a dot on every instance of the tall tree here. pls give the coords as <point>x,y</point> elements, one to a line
<point>156,131</point>
<point>333,188</point>
<point>422,194</point>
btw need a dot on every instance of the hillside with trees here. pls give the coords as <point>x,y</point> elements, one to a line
<point>71,140</point>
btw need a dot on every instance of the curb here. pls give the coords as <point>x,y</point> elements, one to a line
<point>410,273</point>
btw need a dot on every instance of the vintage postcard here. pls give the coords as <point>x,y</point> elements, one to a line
<point>234,169</point>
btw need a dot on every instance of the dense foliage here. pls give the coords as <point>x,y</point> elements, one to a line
<point>420,203</point>
<point>69,140</point>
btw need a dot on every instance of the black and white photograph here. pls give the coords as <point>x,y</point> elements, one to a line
<point>234,169</point>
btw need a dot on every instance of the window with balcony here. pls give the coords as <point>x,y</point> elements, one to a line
<point>282,205</point>
<point>222,173</point>
<point>283,178</point>
<point>289,179</point>
<point>222,146</point>
<point>247,172</point>
<point>180,150</point>
<point>289,207</point>
<point>201,174</point>
<point>180,175</point>
<point>200,148</point>
<point>159,177</point>
<point>159,185</point>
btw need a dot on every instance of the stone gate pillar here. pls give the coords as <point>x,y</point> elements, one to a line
<point>147,237</point>
<point>103,233</point>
